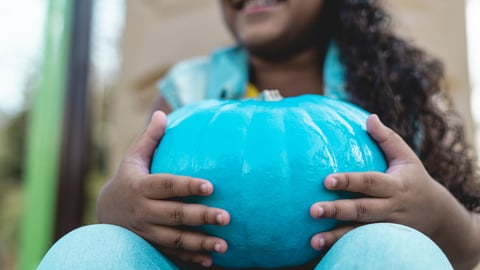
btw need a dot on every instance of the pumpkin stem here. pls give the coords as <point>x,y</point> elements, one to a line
<point>270,95</point>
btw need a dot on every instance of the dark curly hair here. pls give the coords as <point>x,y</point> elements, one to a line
<point>388,76</point>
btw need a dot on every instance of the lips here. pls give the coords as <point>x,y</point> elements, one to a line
<point>243,5</point>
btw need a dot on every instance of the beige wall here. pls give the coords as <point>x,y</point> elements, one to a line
<point>156,35</point>
<point>161,32</point>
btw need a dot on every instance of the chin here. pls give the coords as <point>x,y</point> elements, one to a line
<point>250,40</point>
<point>266,32</point>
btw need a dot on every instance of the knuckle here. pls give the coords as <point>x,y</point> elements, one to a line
<point>205,217</point>
<point>190,186</point>
<point>138,228</point>
<point>204,245</point>
<point>347,182</point>
<point>177,215</point>
<point>369,182</point>
<point>361,211</point>
<point>135,186</point>
<point>179,241</point>
<point>391,133</point>
<point>403,187</point>
<point>135,213</point>
<point>335,211</point>
<point>168,184</point>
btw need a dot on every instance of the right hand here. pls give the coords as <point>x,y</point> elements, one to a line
<point>148,203</point>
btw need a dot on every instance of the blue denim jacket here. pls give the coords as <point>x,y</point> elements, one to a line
<point>224,74</point>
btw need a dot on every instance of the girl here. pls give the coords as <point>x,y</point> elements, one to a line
<point>339,48</point>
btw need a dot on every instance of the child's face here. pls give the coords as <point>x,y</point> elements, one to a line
<point>262,25</point>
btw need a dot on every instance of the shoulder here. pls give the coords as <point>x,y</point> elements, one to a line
<point>184,82</point>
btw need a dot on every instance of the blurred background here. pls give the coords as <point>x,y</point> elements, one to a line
<point>77,79</point>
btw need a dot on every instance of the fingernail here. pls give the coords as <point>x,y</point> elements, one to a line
<point>206,263</point>
<point>203,262</point>
<point>333,182</point>
<point>204,188</point>
<point>219,218</point>
<point>321,243</point>
<point>217,248</point>
<point>320,211</point>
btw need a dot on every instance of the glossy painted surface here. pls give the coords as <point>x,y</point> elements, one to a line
<point>267,161</point>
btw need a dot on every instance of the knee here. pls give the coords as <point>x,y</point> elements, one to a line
<point>384,246</point>
<point>103,246</point>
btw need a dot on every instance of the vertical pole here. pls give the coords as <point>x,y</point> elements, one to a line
<point>44,138</point>
<point>74,160</point>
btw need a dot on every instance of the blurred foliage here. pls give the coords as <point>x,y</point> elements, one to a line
<point>10,213</point>
<point>13,149</point>
<point>12,141</point>
<point>12,153</point>
<point>13,131</point>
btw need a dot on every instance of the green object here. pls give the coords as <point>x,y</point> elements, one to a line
<point>44,138</point>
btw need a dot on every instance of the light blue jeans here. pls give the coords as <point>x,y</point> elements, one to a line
<point>373,246</point>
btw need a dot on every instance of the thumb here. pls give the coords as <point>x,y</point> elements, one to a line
<point>144,146</point>
<point>395,149</point>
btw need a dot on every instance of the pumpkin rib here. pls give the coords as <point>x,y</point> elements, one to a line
<point>267,161</point>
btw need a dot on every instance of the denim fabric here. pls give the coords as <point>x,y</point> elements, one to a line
<point>374,246</point>
<point>104,247</point>
<point>384,246</point>
<point>224,74</point>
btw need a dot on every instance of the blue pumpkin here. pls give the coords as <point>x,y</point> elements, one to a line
<point>267,161</point>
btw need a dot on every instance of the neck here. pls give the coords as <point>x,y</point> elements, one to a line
<point>301,73</point>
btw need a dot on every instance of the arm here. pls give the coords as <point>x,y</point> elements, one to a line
<point>141,202</point>
<point>161,104</point>
<point>405,194</point>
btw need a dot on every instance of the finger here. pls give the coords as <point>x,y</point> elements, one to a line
<point>164,186</point>
<point>373,184</point>
<point>202,259</point>
<point>326,239</point>
<point>392,145</point>
<point>170,237</point>
<point>144,146</point>
<point>360,210</point>
<point>173,213</point>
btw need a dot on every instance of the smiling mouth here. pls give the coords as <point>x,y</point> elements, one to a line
<point>255,4</point>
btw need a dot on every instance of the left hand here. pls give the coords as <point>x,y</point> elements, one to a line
<point>406,194</point>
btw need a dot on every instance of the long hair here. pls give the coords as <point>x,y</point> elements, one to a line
<point>388,76</point>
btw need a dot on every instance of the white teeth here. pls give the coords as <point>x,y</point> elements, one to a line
<point>259,3</point>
